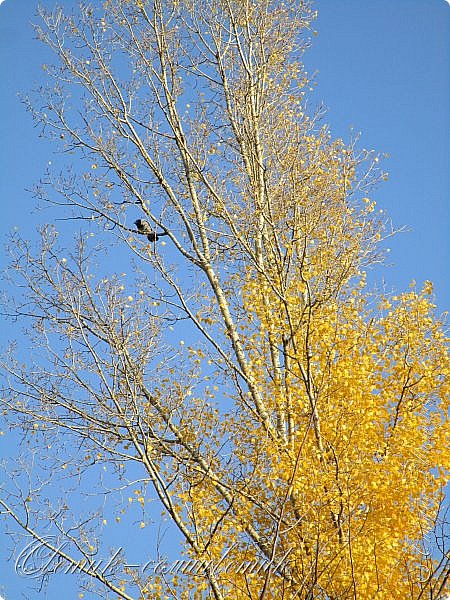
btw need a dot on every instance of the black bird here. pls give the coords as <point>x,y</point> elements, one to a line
<point>144,228</point>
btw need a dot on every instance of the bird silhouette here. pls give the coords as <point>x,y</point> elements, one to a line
<point>145,228</point>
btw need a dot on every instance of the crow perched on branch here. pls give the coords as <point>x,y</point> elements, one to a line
<point>144,228</point>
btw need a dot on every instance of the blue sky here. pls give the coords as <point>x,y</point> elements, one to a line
<point>383,69</point>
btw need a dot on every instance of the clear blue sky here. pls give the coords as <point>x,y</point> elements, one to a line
<point>383,69</point>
